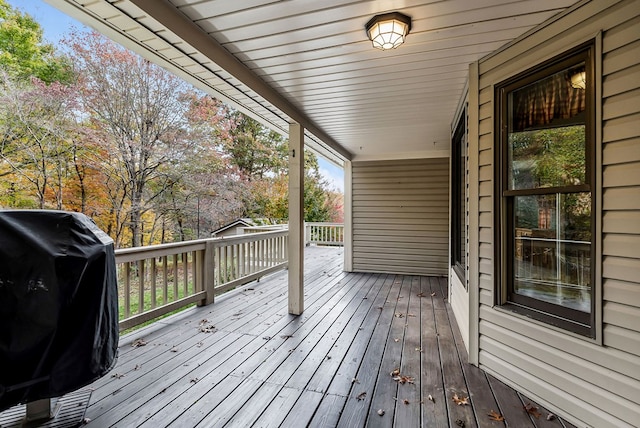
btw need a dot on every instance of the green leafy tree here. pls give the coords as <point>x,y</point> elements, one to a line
<point>23,52</point>
<point>257,151</point>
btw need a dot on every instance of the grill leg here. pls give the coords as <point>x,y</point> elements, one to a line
<point>40,410</point>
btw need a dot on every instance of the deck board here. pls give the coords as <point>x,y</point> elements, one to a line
<point>263,367</point>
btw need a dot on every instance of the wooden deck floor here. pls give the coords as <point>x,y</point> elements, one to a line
<point>244,361</point>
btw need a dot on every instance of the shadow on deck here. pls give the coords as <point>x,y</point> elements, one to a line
<point>244,361</point>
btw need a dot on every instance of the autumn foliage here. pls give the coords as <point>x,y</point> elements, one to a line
<point>144,154</point>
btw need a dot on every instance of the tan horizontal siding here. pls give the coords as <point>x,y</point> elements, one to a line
<point>596,384</point>
<point>401,216</point>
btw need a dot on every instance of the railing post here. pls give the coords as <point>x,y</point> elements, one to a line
<point>307,234</point>
<point>208,268</point>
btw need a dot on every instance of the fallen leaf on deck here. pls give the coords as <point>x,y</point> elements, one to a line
<point>174,349</point>
<point>430,397</point>
<point>396,340</point>
<point>206,328</point>
<point>286,336</point>
<point>551,417</point>
<point>137,367</point>
<point>194,380</point>
<point>495,416</point>
<point>420,294</point>
<point>381,412</point>
<point>419,349</point>
<point>395,372</point>
<point>532,410</point>
<point>355,380</point>
<point>199,344</point>
<point>117,376</point>
<point>460,400</point>
<point>138,342</point>
<point>403,379</point>
<point>411,315</point>
<point>399,315</point>
<point>433,294</point>
<point>405,401</point>
<point>361,396</point>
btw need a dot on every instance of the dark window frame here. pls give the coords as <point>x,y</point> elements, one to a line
<point>504,228</point>
<point>459,198</point>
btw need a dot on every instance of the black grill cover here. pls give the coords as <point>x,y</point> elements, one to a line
<point>58,304</point>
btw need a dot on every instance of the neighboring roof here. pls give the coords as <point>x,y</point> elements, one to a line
<point>311,62</point>
<point>241,222</point>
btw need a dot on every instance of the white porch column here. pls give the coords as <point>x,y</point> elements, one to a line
<point>296,219</point>
<point>348,217</point>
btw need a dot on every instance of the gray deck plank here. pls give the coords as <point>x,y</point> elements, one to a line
<point>434,409</point>
<point>408,403</point>
<point>263,367</point>
<point>385,393</point>
<point>453,376</point>
<point>303,410</point>
<point>484,405</point>
<point>511,406</point>
<point>278,409</point>
<point>346,354</point>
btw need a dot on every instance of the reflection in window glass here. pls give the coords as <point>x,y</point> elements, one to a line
<point>552,243</point>
<point>547,158</point>
<point>546,138</point>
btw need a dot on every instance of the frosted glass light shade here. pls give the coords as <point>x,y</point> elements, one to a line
<point>388,31</point>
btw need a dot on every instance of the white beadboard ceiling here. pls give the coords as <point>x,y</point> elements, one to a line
<point>309,61</point>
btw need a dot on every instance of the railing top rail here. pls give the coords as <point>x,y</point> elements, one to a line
<point>124,255</point>
<point>311,223</point>
<point>240,239</point>
<point>138,253</point>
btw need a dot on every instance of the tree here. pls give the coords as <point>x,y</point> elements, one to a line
<point>257,151</point>
<point>138,108</point>
<point>23,53</point>
<point>37,120</point>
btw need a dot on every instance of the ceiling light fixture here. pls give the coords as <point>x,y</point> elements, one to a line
<point>389,30</point>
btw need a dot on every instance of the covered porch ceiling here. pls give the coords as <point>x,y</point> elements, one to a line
<point>310,62</point>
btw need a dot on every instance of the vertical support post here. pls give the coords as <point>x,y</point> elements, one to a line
<point>473,261</point>
<point>296,219</point>
<point>307,234</point>
<point>348,217</point>
<point>208,267</point>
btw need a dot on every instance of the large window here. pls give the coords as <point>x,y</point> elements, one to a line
<point>545,227</point>
<point>459,199</point>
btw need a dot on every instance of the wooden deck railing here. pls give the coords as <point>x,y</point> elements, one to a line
<point>315,233</point>
<point>158,279</point>
<point>324,234</point>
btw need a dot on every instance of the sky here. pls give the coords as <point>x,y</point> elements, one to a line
<point>56,25</point>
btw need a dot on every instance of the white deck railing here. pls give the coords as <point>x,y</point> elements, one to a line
<point>324,234</point>
<point>315,233</point>
<point>158,279</point>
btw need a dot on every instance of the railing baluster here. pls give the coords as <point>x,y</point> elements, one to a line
<point>185,274</point>
<point>165,283</point>
<point>127,289</point>
<point>175,277</point>
<point>153,282</point>
<point>140,286</point>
